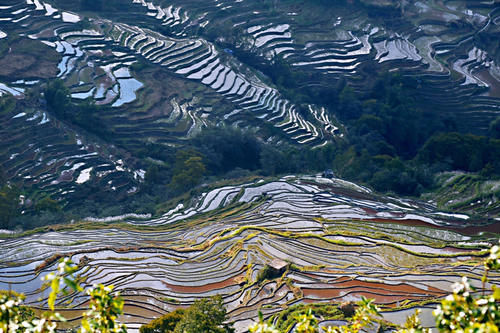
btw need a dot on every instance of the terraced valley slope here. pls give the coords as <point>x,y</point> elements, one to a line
<point>159,72</point>
<point>338,240</point>
<point>104,105</point>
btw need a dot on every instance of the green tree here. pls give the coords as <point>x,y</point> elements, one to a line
<point>8,205</point>
<point>188,170</point>
<point>164,324</point>
<point>465,151</point>
<point>225,149</point>
<point>273,161</point>
<point>494,129</point>
<point>23,312</point>
<point>104,311</point>
<point>349,105</point>
<point>205,315</point>
<point>58,98</point>
<point>105,307</point>
<point>47,204</point>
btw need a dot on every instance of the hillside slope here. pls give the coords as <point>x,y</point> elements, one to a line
<point>340,242</point>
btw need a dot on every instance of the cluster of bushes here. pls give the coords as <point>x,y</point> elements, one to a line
<point>9,201</point>
<point>226,152</point>
<point>463,152</point>
<point>441,152</point>
<point>390,115</point>
<point>396,144</point>
<point>267,273</point>
<point>205,315</point>
<point>84,114</point>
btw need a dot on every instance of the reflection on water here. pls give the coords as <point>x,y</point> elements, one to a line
<point>399,317</point>
<point>128,88</point>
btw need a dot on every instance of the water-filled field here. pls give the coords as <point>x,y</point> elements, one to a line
<point>162,76</point>
<point>160,72</point>
<point>340,241</point>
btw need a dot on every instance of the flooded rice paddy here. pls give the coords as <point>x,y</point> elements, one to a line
<point>218,245</point>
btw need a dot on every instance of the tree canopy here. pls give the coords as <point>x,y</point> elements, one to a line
<point>205,315</point>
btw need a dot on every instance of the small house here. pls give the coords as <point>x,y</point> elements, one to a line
<point>328,174</point>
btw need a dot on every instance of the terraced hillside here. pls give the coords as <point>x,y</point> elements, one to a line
<point>156,73</point>
<point>338,240</point>
<point>163,70</point>
<point>439,43</point>
<point>194,85</point>
<point>96,62</point>
<point>60,162</point>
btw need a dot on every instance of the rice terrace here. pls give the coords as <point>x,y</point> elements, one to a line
<point>283,154</point>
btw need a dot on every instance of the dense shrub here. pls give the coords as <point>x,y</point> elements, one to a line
<point>188,170</point>
<point>205,315</point>
<point>165,323</point>
<point>226,149</point>
<point>465,152</point>
<point>266,274</point>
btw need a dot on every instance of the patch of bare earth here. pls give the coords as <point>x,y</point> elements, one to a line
<point>29,59</point>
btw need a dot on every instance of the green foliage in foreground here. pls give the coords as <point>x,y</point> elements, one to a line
<point>463,311</point>
<point>205,315</point>
<point>105,307</point>
<point>364,316</point>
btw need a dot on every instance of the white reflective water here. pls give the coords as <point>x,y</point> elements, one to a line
<point>128,88</point>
